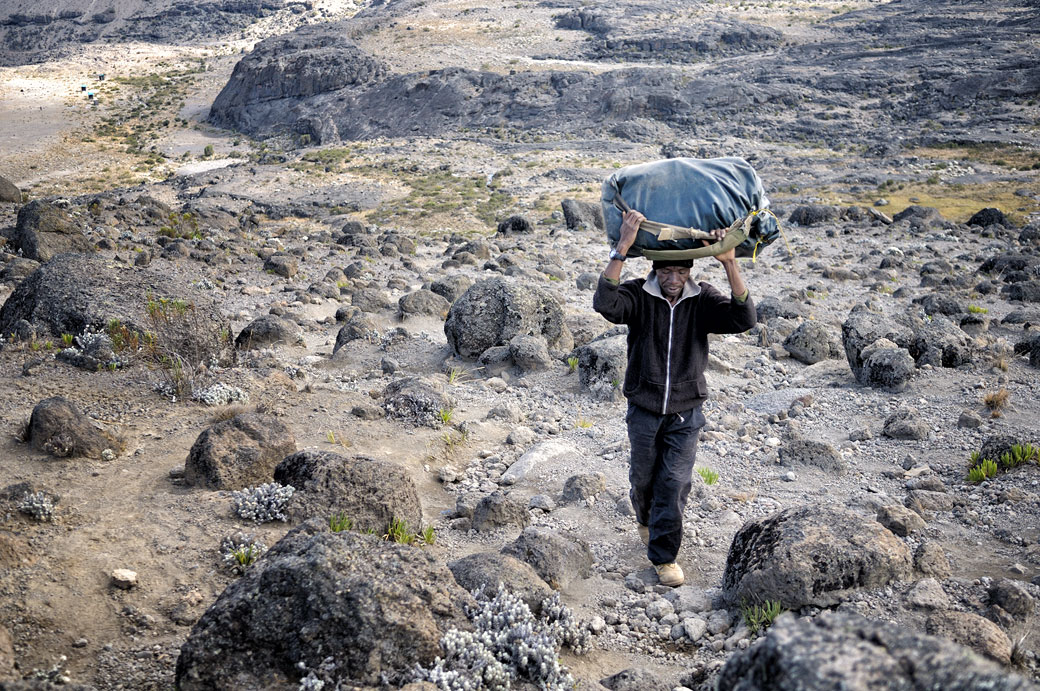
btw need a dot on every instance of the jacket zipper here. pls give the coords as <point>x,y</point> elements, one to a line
<point>668,360</point>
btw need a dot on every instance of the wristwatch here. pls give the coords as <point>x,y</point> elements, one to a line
<point>614,254</point>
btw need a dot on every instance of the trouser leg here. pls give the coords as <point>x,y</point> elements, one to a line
<point>642,436</point>
<point>677,447</point>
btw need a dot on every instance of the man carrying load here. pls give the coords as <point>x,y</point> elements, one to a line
<point>669,317</point>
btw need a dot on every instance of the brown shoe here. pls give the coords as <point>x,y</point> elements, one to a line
<point>670,575</point>
<point>644,533</point>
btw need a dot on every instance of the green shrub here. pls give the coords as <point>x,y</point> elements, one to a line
<point>181,344</point>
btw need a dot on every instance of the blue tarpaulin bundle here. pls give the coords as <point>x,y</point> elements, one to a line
<point>684,199</point>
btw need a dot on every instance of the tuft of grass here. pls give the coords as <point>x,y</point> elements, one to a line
<point>66,340</point>
<point>445,415</point>
<point>397,531</point>
<point>572,365</point>
<point>709,476</point>
<point>428,535</point>
<point>761,617</point>
<point>583,423</point>
<point>246,555</point>
<point>975,309</point>
<point>340,522</point>
<point>456,375</point>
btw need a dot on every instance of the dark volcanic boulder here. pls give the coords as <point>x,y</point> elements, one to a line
<point>45,230</point>
<point>602,365</point>
<point>810,343</point>
<point>268,330</point>
<point>514,225</point>
<point>495,310</point>
<point>417,400</point>
<point>498,510</point>
<point>368,492</point>
<point>489,569</point>
<point>74,291</point>
<point>811,214</point>
<point>1007,262</point>
<point>451,288</point>
<point>920,217</point>
<point>861,329</point>
<point>239,452</point>
<point>9,192</point>
<point>988,217</point>
<point>423,302</point>
<point>812,555</point>
<point>1024,291</point>
<point>558,559</point>
<point>582,215</point>
<point>886,366</point>
<point>849,652</point>
<point>940,343</point>
<point>362,608</point>
<point>57,427</point>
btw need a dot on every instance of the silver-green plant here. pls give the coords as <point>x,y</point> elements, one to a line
<point>264,503</point>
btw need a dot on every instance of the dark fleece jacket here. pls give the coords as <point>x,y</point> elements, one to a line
<point>668,345</point>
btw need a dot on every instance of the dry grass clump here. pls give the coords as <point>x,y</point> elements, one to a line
<point>229,411</point>
<point>996,401</point>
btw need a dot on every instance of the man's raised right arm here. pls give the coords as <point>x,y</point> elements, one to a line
<point>617,305</point>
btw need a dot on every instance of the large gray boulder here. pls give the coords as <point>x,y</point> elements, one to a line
<point>493,311</point>
<point>369,492</point>
<point>558,559</point>
<point>74,291</point>
<point>45,230</point>
<point>418,400</point>
<point>58,427</point>
<point>973,631</point>
<point>268,330</point>
<point>940,343</point>
<point>863,328</point>
<point>9,192</point>
<point>579,215</point>
<point>363,609</point>
<point>498,510</point>
<point>846,651</point>
<point>796,450</point>
<point>489,569</point>
<point>602,365</point>
<point>423,302</point>
<point>886,366</point>
<point>812,555</point>
<point>810,343</point>
<point>240,452</point>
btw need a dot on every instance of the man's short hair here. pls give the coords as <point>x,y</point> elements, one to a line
<point>683,263</point>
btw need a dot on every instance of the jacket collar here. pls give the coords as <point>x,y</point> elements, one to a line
<point>651,286</point>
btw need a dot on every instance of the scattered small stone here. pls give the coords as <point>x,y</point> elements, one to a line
<point>124,579</point>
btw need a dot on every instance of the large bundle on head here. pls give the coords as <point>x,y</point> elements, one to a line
<point>684,198</point>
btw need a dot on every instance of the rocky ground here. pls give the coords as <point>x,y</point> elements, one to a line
<point>332,274</point>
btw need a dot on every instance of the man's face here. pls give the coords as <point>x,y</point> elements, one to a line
<point>672,279</point>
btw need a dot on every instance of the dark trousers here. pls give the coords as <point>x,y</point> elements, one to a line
<point>664,448</point>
